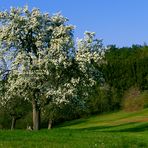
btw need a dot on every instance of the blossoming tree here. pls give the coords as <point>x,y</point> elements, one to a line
<point>46,66</point>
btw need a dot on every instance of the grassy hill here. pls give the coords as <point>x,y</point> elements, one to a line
<point>119,121</point>
<point>113,130</point>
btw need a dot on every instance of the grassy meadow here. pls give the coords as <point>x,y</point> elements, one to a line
<point>113,130</point>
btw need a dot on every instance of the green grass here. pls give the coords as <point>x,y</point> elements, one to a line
<point>114,130</point>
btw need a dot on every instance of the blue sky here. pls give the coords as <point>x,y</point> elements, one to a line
<point>120,22</point>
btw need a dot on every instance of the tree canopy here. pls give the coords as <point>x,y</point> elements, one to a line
<point>45,64</point>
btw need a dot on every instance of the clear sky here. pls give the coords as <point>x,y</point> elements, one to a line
<point>120,22</point>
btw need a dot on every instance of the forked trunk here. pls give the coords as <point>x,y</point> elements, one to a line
<point>36,115</point>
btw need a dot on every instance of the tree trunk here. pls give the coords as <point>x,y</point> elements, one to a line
<point>36,115</point>
<point>13,123</point>
<point>49,124</point>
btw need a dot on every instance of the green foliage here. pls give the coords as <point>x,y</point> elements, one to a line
<point>14,108</point>
<point>5,119</point>
<point>125,68</point>
<point>99,100</point>
<point>25,121</point>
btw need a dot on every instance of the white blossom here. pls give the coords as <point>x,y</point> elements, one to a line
<point>45,63</point>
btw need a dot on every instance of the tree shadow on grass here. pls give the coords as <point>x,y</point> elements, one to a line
<point>68,123</point>
<point>126,127</point>
<point>137,128</point>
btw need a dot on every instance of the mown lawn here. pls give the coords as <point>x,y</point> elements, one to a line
<point>114,130</point>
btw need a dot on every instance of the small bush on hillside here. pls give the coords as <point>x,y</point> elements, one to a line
<point>133,100</point>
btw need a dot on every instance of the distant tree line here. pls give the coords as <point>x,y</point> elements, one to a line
<point>125,68</point>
